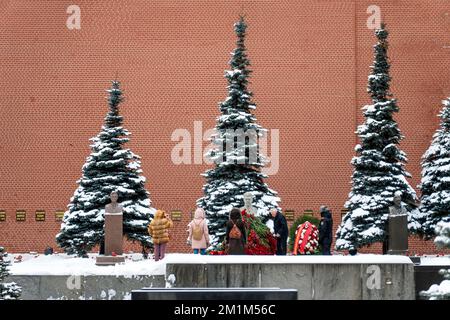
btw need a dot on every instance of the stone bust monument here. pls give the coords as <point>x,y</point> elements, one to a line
<point>111,246</point>
<point>396,241</point>
<point>248,207</point>
<point>398,208</point>
<point>114,207</point>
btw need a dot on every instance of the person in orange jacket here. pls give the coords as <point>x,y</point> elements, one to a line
<point>158,229</point>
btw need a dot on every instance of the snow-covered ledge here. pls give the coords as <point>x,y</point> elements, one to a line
<point>364,276</point>
<point>60,276</point>
<point>337,259</point>
<point>64,265</point>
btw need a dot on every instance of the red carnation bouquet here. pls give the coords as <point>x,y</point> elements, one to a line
<point>306,239</point>
<point>260,240</point>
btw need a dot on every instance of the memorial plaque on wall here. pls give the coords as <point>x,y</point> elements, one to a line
<point>59,215</point>
<point>21,215</point>
<point>2,215</point>
<point>343,213</point>
<point>40,215</point>
<point>308,212</point>
<point>175,215</point>
<point>289,214</point>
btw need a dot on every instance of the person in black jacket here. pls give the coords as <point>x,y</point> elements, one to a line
<point>325,230</point>
<point>236,246</point>
<point>281,231</point>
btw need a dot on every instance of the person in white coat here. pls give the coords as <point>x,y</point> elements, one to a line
<point>198,237</point>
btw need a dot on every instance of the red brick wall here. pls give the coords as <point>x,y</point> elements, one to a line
<point>310,60</point>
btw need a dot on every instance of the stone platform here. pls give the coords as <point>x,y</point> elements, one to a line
<point>365,277</point>
<point>95,287</point>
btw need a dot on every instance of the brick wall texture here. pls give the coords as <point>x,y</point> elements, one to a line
<point>310,60</point>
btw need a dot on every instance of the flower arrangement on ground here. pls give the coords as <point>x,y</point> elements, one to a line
<point>306,239</point>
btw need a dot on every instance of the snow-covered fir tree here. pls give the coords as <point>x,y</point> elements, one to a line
<point>379,164</point>
<point>109,168</point>
<point>441,291</point>
<point>237,160</point>
<point>435,184</point>
<point>443,234</point>
<point>8,291</point>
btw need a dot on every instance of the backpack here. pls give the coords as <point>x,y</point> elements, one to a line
<point>235,233</point>
<point>197,232</point>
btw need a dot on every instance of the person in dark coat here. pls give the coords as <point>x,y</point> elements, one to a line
<point>325,230</point>
<point>281,231</point>
<point>236,246</point>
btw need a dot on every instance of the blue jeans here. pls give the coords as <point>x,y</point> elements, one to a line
<point>202,251</point>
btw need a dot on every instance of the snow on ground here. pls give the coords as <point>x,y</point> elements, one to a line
<point>435,261</point>
<point>318,259</point>
<point>62,264</point>
<point>439,291</point>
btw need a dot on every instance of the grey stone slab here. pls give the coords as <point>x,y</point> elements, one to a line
<point>188,275</point>
<point>289,276</point>
<point>156,281</point>
<point>60,287</point>
<point>242,275</point>
<point>30,286</point>
<point>97,287</point>
<point>90,287</point>
<point>117,287</point>
<point>336,282</point>
<point>395,282</point>
<point>408,290</point>
<point>216,275</point>
<point>313,281</point>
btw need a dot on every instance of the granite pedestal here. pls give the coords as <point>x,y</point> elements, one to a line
<point>113,240</point>
<point>398,235</point>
